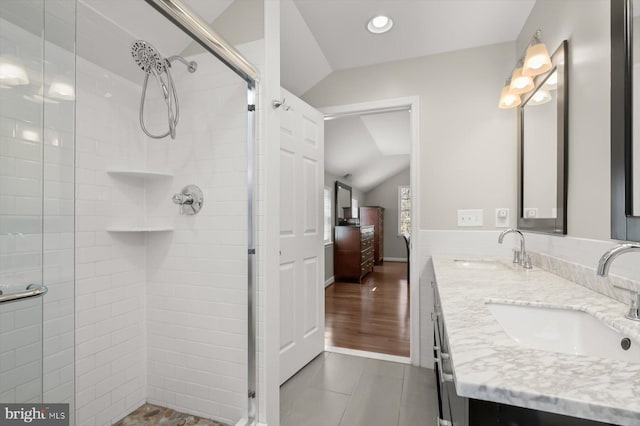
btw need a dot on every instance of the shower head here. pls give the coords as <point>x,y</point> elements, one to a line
<point>148,58</point>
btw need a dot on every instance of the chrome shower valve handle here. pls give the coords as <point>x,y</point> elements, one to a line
<point>190,200</point>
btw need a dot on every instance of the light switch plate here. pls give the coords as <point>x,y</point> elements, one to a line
<point>503,218</point>
<point>470,217</point>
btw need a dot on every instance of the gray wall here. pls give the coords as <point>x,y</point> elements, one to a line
<point>468,147</point>
<point>585,24</point>
<point>386,195</point>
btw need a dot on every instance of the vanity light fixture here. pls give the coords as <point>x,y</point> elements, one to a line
<point>520,83</point>
<point>537,60</point>
<point>379,24</point>
<point>508,99</point>
<point>12,72</point>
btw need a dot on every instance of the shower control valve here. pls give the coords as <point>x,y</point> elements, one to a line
<point>190,200</point>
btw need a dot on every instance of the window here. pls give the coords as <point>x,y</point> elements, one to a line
<point>355,211</point>
<point>404,210</point>
<point>327,215</point>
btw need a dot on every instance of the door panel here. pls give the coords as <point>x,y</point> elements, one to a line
<point>301,235</point>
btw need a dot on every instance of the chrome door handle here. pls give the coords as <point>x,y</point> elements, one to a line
<point>32,290</point>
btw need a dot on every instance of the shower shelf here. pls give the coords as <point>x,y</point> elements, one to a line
<point>140,229</point>
<point>141,174</point>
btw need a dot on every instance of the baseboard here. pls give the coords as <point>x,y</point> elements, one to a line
<point>329,281</point>
<point>395,259</point>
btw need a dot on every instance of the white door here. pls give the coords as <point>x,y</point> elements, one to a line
<point>301,235</point>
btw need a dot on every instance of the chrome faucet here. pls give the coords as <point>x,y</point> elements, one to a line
<point>603,270</point>
<point>608,257</point>
<point>521,257</point>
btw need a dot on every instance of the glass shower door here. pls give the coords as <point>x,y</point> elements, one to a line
<point>37,149</point>
<point>21,200</point>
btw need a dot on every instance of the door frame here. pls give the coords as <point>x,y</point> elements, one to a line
<point>413,104</point>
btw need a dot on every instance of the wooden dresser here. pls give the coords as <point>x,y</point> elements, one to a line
<point>374,215</point>
<point>352,252</point>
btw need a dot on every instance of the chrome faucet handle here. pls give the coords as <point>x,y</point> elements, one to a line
<point>634,305</point>
<point>190,200</point>
<point>526,262</point>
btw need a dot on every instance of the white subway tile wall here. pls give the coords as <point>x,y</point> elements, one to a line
<point>197,275</point>
<point>162,317</point>
<point>110,279</point>
<point>58,239</point>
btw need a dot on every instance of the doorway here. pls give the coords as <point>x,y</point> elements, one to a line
<point>374,314</point>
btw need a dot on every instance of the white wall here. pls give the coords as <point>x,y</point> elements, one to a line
<point>588,31</point>
<point>386,195</point>
<point>459,123</point>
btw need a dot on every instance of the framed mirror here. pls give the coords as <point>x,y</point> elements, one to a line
<point>625,121</point>
<point>543,150</point>
<point>342,203</point>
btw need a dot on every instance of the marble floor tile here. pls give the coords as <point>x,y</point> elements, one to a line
<point>154,415</point>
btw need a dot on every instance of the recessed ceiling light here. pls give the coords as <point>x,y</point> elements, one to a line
<point>379,24</point>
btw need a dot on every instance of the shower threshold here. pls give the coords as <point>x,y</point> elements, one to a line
<point>155,415</point>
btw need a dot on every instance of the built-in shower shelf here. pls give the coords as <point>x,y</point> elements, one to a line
<point>141,174</point>
<point>140,229</point>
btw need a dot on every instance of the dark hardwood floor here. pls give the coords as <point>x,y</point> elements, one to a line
<point>372,316</point>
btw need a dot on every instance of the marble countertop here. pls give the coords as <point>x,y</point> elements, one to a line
<point>489,365</point>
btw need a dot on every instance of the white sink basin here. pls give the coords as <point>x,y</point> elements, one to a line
<point>475,264</point>
<point>562,330</point>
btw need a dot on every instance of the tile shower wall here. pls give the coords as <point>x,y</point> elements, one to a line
<point>111,350</point>
<point>197,275</point>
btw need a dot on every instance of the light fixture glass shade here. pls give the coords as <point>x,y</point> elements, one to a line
<point>12,72</point>
<point>520,83</point>
<point>537,60</point>
<point>508,99</point>
<point>61,89</point>
<point>540,97</point>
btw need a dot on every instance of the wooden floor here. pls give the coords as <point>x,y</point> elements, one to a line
<point>372,316</point>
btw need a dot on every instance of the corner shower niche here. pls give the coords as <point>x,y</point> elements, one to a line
<point>140,223</point>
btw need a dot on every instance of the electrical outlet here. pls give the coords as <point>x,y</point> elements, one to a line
<point>502,218</point>
<point>470,217</point>
<point>530,213</point>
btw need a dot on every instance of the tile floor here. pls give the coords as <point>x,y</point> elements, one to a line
<point>343,390</point>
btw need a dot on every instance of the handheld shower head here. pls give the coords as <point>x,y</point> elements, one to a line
<point>148,58</point>
<point>151,62</point>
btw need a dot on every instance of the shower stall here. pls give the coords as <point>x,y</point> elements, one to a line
<point>128,171</point>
